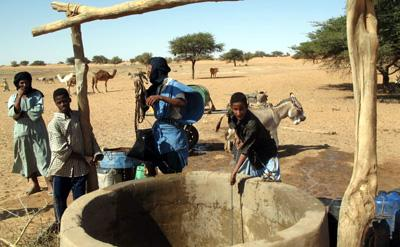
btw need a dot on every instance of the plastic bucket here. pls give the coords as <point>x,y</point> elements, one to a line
<point>108,177</point>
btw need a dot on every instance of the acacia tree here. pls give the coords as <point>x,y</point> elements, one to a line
<point>247,56</point>
<point>233,55</point>
<point>328,43</point>
<point>260,54</point>
<point>277,54</point>
<point>24,63</point>
<point>144,58</point>
<point>70,61</point>
<point>116,60</point>
<point>194,47</point>
<point>100,59</point>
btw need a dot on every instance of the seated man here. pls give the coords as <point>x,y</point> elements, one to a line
<point>69,167</point>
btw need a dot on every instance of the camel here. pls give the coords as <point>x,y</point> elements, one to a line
<point>102,75</point>
<point>213,72</point>
<point>69,80</point>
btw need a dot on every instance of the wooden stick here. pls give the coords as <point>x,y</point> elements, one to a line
<point>86,13</point>
<point>6,242</point>
<point>8,211</point>
<point>28,222</point>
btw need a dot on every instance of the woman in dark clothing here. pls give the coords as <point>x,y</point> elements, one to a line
<point>257,152</point>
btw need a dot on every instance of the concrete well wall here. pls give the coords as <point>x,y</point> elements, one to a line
<point>195,209</point>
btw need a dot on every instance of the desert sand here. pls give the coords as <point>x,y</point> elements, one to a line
<point>315,155</point>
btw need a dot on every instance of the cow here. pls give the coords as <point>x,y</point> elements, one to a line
<point>213,72</point>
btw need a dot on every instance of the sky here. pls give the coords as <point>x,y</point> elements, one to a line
<point>249,25</point>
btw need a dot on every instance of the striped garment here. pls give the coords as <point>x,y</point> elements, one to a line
<point>65,136</point>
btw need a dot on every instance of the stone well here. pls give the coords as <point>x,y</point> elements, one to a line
<point>195,209</point>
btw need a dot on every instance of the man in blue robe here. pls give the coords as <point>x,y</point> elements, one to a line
<point>175,105</point>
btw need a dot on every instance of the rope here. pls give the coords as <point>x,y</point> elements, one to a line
<point>231,215</point>
<point>74,11</point>
<point>140,94</point>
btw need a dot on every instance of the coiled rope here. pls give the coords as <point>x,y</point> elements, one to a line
<point>140,98</point>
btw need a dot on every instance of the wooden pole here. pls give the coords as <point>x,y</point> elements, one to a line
<point>82,14</point>
<point>358,205</point>
<point>81,69</point>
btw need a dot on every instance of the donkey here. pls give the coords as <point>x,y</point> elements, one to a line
<point>271,117</point>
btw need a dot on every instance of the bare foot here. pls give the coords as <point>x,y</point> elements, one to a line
<point>33,190</point>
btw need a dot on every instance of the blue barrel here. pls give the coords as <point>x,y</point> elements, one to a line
<point>117,159</point>
<point>387,205</point>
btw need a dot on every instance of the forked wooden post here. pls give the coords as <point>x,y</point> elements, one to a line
<point>358,205</point>
<point>81,70</point>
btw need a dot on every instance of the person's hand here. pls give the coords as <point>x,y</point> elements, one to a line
<point>152,99</point>
<point>233,178</point>
<point>90,160</point>
<point>21,91</point>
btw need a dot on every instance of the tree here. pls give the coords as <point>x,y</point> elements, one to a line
<point>194,47</point>
<point>14,64</point>
<point>388,14</point>
<point>277,54</point>
<point>132,60</point>
<point>260,54</point>
<point>247,56</point>
<point>24,63</point>
<point>328,43</point>
<point>169,59</point>
<point>144,58</point>
<point>233,55</point>
<point>70,61</point>
<point>116,60</point>
<point>100,59</point>
<point>38,63</point>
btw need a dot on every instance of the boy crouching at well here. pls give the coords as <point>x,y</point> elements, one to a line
<point>257,151</point>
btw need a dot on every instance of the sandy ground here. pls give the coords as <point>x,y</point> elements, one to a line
<point>318,163</point>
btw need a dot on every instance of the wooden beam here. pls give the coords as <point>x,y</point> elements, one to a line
<point>358,204</point>
<point>85,13</point>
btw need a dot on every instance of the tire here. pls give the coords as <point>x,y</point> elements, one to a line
<point>192,135</point>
